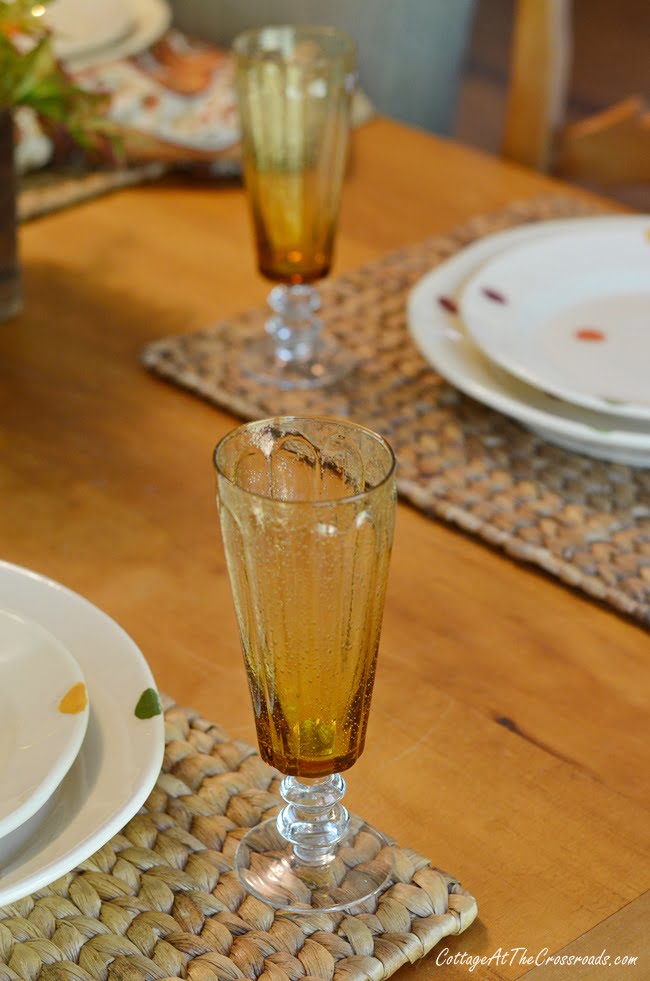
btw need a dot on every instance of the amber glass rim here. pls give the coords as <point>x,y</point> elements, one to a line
<point>283,420</point>
<point>314,32</point>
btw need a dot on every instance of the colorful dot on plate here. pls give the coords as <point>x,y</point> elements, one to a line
<point>590,334</point>
<point>148,704</point>
<point>448,304</point>
<point>75,700</point>
<point>493,295</point>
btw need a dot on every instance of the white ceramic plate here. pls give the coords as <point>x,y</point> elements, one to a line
<point>440,335</point>
<point>39,737</point>
<point>121,755</point>
<point>149,21</point>
<point>80,26</point>
<point>570,313</point>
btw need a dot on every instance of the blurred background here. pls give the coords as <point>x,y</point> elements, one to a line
<point>610,61</point>
<point>445,65</point>
<point>561,86</point>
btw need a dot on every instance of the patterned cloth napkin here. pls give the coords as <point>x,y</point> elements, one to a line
<point>174,102</point>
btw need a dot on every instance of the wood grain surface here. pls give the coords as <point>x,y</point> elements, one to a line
<point>623,930</point>
<point>508,738</point>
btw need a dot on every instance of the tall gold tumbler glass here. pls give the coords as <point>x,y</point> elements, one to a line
<point>307,508</point>
<point>294,88</point>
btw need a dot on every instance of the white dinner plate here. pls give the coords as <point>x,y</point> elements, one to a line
<point>120,757</point>
<point>439,333</point>
<point>570,313</point>
<point>149,21</point>
<point>80,26</point>
<point>43,717</point>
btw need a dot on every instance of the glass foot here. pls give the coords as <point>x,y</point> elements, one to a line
<point>329,365</point>
<point>358,869</point>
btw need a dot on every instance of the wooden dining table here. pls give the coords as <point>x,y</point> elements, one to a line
<point>509,738</point>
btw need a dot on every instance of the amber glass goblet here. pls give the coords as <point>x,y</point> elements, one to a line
<point>307,508</point>
<point>294,87</point>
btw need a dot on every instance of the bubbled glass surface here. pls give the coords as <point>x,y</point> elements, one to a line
<point>307,512</point>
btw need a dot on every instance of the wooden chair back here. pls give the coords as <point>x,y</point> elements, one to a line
<point>610,147</point>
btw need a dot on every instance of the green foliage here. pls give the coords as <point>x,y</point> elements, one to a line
<point>30,75</point>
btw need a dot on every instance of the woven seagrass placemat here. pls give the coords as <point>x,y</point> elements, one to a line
<point>582,520</point>
<point>161,899</point>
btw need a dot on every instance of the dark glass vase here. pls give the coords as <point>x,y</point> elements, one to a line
<point>11,297</point>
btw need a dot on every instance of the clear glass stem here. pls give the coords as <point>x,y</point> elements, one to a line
<point>314,821</point>
<point>294,326</point>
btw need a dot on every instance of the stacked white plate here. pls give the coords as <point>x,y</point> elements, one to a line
<point>91,32</point>
<point>549,324</point>
<point>77,760</point>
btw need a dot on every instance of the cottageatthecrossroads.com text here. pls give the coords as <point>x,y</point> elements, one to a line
<point>522,956</point>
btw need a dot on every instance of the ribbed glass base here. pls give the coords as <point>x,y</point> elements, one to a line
<point>356,870</point>
<point>328,365</point>
<point>295,355</point>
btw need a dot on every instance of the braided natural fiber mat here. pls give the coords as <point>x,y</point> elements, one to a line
<point>582,520</point>
<point>160,900</point>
